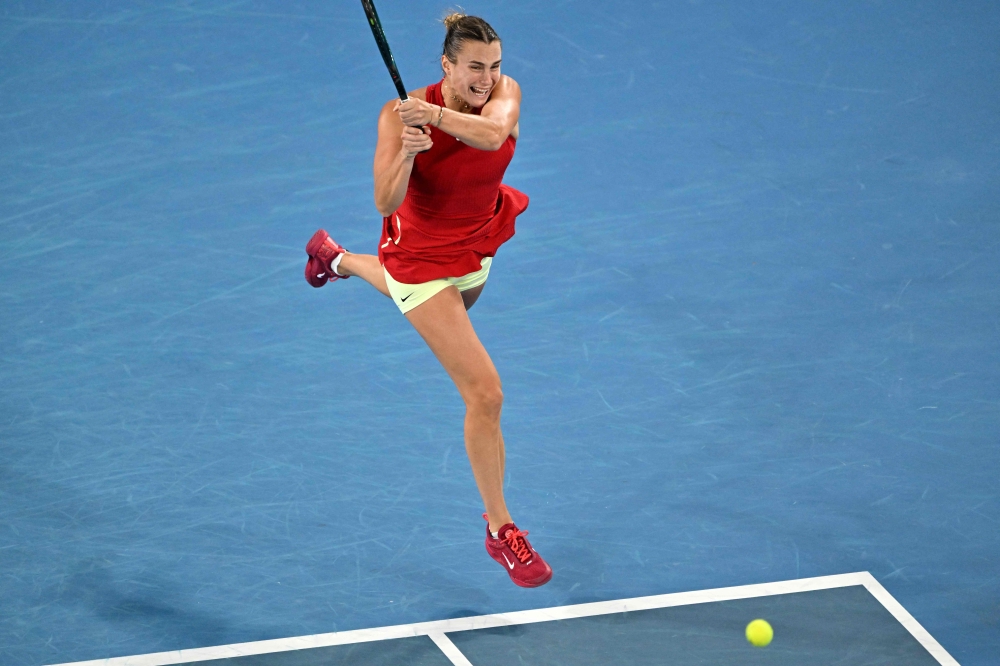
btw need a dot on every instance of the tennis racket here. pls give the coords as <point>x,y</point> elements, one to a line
<point>383,47</point>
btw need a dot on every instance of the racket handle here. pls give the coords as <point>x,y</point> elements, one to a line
<point>404,101</point>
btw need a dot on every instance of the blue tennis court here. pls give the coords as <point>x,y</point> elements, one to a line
<point>748,330</point>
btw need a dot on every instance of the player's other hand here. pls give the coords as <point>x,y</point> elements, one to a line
<point>416,112</point>
<point>416,140</point>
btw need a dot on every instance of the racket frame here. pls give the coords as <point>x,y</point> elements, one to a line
<point>383,47</point>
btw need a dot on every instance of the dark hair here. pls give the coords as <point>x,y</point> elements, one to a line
<point>461,28</point>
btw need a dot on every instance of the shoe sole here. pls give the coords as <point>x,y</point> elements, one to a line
<point>312,275</point>
<point>316,242</point>
<point>538,583</point>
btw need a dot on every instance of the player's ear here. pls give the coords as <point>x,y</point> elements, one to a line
<point>445,64</point>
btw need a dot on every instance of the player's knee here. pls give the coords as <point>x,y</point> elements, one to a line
<point>486,397</point>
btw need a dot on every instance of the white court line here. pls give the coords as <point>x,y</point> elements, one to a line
<point>440,627</point>
<point>450,649</point>
<point>904,618</point>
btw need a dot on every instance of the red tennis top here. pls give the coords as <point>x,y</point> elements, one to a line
<point>456,210</point>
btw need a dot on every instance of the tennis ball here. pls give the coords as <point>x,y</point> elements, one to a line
<point>759,633</point>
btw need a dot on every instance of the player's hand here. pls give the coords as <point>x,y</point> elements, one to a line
<point>416,112</point>
<point>416,140</point>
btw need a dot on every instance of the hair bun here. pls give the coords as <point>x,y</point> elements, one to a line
<point>461,29</point>
<point>452,19</point>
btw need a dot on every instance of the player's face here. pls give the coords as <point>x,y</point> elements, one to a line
<point>476,73</point>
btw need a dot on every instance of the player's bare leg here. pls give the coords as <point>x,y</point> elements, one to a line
<point>443,323</point>
<point>366,267</point>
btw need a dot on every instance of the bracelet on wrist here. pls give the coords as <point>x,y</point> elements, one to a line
<point>440,116</point>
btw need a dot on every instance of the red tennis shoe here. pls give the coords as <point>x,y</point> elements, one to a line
<point>523,564</point>
<point>322,250</point>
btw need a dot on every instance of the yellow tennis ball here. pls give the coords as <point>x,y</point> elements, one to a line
<point>759,633</point>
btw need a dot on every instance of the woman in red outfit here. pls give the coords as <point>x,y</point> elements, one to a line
<point>438,165</point>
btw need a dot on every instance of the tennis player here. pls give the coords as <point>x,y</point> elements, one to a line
<point>439,162</point>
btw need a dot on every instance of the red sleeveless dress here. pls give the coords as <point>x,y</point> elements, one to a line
<point>456,210</point>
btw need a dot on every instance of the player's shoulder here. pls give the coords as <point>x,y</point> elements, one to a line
<point>508,85</point>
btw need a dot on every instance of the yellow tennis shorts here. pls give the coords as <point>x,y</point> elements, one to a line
<point>408,296</point>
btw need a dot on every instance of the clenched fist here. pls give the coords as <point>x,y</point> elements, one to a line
<point>416,112</point>
<point>416,140</point>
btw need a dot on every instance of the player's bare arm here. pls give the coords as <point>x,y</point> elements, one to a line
<point>397,145</point>
<point>474,81</point>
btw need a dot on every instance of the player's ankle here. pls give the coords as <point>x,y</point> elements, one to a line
<point>496,525</point>
<point>338,267</point>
